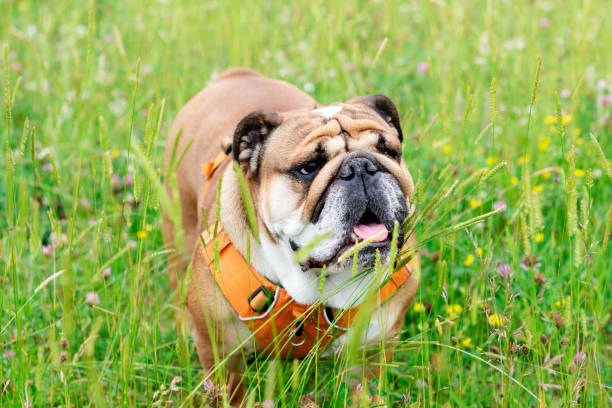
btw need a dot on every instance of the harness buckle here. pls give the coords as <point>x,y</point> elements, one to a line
<point>260,299</point>
<point>226,144</point>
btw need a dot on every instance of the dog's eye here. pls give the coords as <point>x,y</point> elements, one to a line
<point>385,149</point>
<point>309,168</point>
<point>394,154</point>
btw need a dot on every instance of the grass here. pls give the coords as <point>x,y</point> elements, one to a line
<point>87,312</point>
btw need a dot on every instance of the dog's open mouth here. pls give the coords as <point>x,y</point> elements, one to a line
<point>368,227</point>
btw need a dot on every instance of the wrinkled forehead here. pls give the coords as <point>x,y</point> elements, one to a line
<point>354,123</point>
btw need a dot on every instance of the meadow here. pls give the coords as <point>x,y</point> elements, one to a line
<point>506,107</point>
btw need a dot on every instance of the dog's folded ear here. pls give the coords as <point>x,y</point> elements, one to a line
<point>385,107</point>
<point>250,136</point>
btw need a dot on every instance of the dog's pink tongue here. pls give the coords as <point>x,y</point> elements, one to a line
<point>365,231</point>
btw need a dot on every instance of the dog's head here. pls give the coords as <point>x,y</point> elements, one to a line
<point>336,170</point>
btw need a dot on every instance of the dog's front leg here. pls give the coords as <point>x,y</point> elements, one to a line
<point>225,376</point>
<point>217,334</point>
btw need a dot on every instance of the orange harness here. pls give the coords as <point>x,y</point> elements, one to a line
<point>281,326</point>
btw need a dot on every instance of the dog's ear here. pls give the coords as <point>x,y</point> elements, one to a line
<point>385,107</point>
<point>249,138</point>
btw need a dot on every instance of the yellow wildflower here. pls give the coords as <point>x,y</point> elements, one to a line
<point>491,160</point>
<point>453,310</point>
<point>560,303</point>
<point>496,320</point>
<point>447,149</point>
<point>539,237</point>
<point>566,119</point>
<point>467,342</point>
<point>475,203</point>
<point>417,307</point>
<point>538,189</point>
<point>141,234</point>
<point>523,159</point>
<point>577,132</point>
<point>514,180</point>
<point>546,175</point>
<point>115,153</point>
<point>479,252</point>
<point>469,260</point>
<point>579,173</point>
<point>544,143</point>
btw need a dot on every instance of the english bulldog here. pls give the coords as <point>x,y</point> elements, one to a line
<point>320,177</point>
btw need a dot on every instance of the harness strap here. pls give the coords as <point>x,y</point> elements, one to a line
<point>209,167</point>
<point>279,324</point>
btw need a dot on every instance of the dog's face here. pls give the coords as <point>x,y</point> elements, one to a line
<point>336,172</point>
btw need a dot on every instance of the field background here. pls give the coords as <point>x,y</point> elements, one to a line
<point>86,308</point>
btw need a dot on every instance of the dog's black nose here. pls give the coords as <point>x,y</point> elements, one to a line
<point>360,166</point>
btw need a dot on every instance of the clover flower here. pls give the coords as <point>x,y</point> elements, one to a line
<point>504,271</point>
<point>422,67</point>
<point>92,298</point>
<point>530,262</point>
<point>499,205</point>
<point>579,357</point>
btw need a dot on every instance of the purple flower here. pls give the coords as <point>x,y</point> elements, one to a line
<point>422,67</point>
<point>359,387</point>
<point>106,273</point>
<point>47,250</point>
<point>566,93</point>
<point>605,100</point>
<point>500,204</point>
<point>8,354</point>
<point>55,243</point>
<point>129,180</point>
<point>602,84</point>
<point>504,271</point>
<point>579,357</point>
<point>214,394</point>
<point>544,22</point>
<point>92,298</point>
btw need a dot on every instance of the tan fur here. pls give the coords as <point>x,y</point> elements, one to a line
<point>209,117</point>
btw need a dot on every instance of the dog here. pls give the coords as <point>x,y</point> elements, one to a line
<point>320,179</point>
